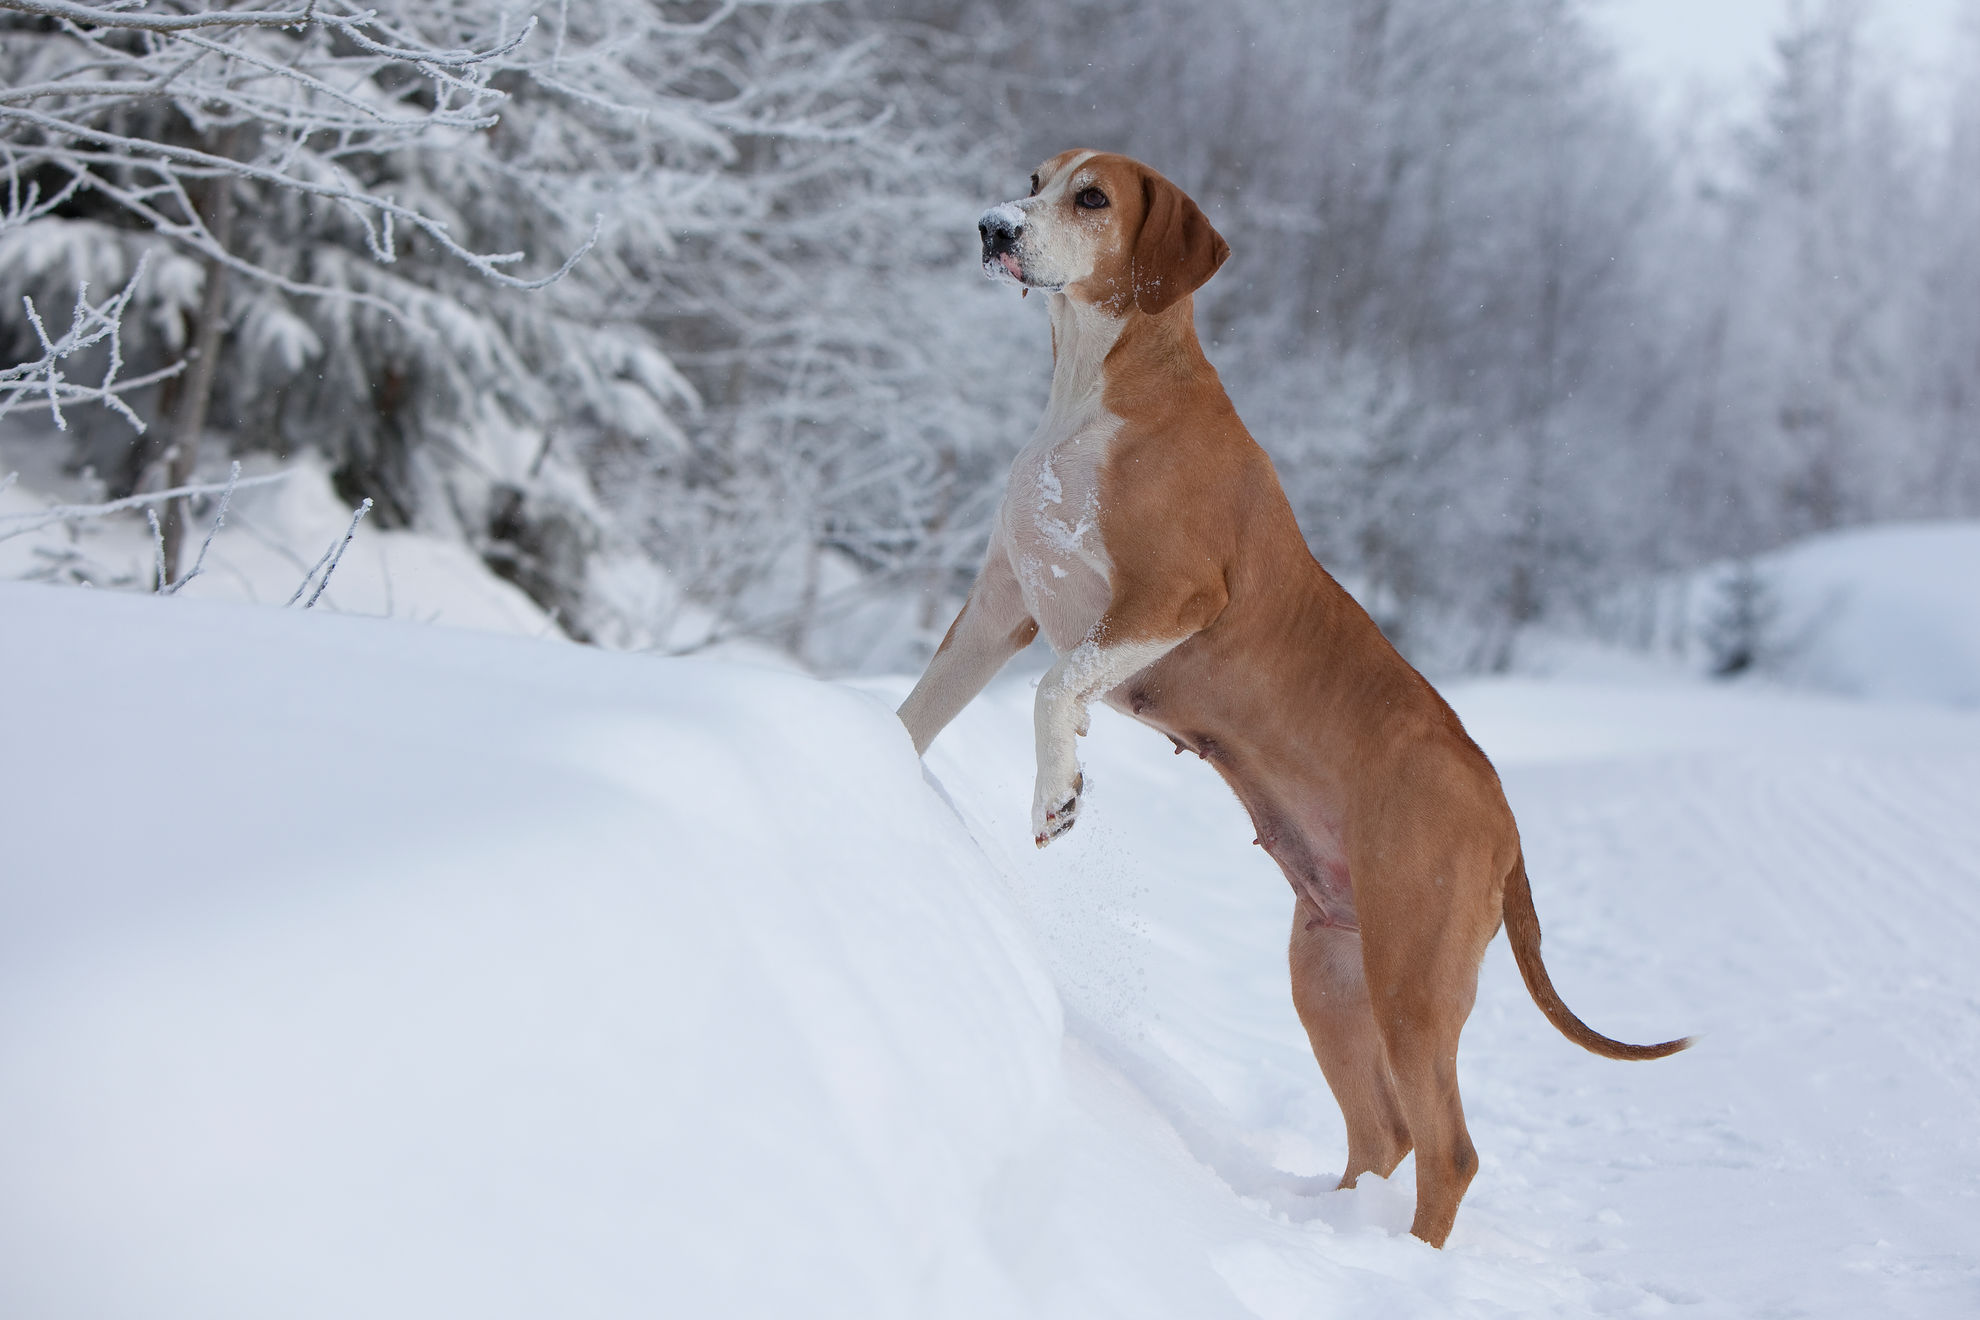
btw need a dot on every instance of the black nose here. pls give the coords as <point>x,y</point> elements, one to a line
<point>999,235</point>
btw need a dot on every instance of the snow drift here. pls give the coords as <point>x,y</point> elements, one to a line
<point>1890,611</point>
<point>351,968</point>
<point>356,969</point>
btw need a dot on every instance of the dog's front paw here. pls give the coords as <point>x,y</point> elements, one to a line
<point>1054,810</point>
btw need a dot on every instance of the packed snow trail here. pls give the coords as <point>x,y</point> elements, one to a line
<point>350,967</point>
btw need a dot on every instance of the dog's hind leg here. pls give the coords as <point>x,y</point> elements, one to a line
<point>1421,984</point>
<point>1330,994</point>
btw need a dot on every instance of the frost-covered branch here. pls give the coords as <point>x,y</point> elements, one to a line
<point>20,524</point>
<point>219,521</point>
<point>90,324</point>
<point>311,106</point>
<point>331,558</point>
<point>120,16</point>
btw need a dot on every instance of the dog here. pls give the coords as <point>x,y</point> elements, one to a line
<point>1145,533</point>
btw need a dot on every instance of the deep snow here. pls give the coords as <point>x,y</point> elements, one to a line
<point>354,968</point>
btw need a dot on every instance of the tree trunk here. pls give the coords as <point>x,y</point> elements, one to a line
<point>204,355</point>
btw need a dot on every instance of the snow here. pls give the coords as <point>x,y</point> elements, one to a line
<point>1009,215</point>
<point>1884,611</point>
<point>274,533</point>
<point>350,967</point>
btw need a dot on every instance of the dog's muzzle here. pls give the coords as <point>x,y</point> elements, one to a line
<point>1001,227</point>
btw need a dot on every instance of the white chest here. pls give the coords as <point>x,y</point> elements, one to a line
<point>1051,515</point>
<point>1051,527</point>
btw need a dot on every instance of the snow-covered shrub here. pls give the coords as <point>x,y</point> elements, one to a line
<point>1741,616</point>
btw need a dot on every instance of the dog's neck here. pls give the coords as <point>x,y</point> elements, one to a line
<point>1083,334</point>
<point>1106,363</point>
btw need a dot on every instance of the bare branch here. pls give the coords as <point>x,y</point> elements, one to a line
<point>219,520</point>
<point>122,18</point>
<point>135,151</point>
<point>20,524</point>
<point>89,325</point>
<point>334,556</point>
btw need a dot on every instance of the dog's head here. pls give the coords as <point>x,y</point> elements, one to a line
<point>1102,229</point>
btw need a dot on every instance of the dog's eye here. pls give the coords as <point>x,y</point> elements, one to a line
<point>1034,185</point>
<point>1092,199</point>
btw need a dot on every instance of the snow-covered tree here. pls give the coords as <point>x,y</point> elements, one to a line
<point>862,386</point>
<point>1944,339</point>
<point>486,260</point>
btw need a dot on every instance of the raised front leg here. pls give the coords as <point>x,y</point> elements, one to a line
<point>1153,611</point>
<point>992,627</point>
<point>1089,670</point>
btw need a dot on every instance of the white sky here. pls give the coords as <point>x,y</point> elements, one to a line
<point>1722,41</point>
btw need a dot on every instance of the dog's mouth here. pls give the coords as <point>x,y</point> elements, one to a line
<point>1003,265</point>
<point>1005,268</point>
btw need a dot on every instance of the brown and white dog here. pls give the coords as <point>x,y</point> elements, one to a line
<point>1146,534</point>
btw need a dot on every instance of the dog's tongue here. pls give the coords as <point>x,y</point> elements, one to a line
<point>1010,264</point>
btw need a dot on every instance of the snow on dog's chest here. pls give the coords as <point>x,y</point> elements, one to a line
<point>1051,525</point>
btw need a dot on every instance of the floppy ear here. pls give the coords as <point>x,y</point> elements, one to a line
<point>1176,251</point>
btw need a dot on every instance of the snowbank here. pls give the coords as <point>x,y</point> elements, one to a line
<point>355,969</point>
<point>352,968</point>
<point>1889,611</point>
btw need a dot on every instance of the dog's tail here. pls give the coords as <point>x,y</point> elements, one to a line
<point>1523,933</point>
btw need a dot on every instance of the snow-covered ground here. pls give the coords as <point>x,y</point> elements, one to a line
<point>274,535</point>
<point>352,968</point>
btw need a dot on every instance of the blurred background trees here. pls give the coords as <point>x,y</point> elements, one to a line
<point>1514,340</point>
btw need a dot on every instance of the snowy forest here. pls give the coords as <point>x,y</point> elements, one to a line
<point>670,312</point>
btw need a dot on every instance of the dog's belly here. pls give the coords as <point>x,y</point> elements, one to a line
<point>1307,847</point>
<point>1300,832</point>
<point>1292,816</point>
<point>1051,526</point>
